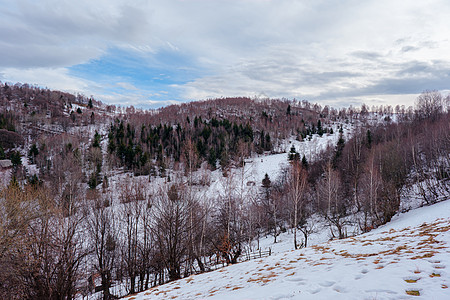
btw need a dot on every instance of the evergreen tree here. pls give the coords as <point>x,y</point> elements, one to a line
<point>32,153</point>
<point>268,143</point>
<point>319,128</point>
<point>369,139</point>
<point>96,143</point>
<point>16,160</point>
<point>293,154</point>
<point>304,162</point>
<point>339,149</point>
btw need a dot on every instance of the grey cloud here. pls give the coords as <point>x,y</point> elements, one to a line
<point>60,33</point>
<point>409,48</point>
<point>414,78</point>
<point>369,55</point>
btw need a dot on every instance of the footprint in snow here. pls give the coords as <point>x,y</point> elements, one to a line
<point>381,291</point>
<point>364,271</point>
<point>315,291</point>
<point>299,280</point>
<point>340,289</point>
<point>327,283</point>
<point>281,297</point>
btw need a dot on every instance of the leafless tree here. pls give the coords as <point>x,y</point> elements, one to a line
<point>102,232</point>
<point>171,228</point>
<point>429,104</point>
<point>331,201</point>
<point>297,185</point>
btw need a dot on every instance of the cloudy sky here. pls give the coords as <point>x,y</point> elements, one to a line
<point>152,53</point>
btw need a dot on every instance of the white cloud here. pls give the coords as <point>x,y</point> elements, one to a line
<point>53,78</point>
<point>320,50</point>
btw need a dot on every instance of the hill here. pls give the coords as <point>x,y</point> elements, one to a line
<point>132,199</point>
<point>405,258</point>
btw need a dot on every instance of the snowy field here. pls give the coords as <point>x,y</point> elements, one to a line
<point>407,258</point>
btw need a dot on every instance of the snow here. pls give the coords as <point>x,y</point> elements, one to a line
<point>410,255</point>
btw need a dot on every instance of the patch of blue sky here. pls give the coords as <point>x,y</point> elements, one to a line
<point>156,76</point>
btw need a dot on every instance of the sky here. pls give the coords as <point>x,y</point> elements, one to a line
<point>158,52</point>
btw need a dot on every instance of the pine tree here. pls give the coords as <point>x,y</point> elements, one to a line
<point>319,128</point>
<point>293,154</point>
<point>369,139</point>
<point>304,162</point>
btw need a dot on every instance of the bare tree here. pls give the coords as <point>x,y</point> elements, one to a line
<point>102,233</point>
<point>44,260</point>
<point>429,104</point>
<point>297,184</point>
<point>331,201</point>
<point>171,221</point>
<point>371,185</point>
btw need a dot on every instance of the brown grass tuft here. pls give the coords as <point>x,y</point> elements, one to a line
<point>413,293</point>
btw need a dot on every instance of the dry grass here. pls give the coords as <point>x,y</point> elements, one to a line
<point>412,280</point>
<point>426,255</point>
<point>264,278</point>
<point>435,275</point>
<point>413,292</point>
<point>213,291</point>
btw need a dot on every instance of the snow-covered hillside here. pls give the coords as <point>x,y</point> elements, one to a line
<point>406,258</point>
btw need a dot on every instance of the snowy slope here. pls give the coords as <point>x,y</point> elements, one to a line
<point>409,256</point>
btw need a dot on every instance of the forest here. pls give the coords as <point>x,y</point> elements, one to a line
<point>117,197</point>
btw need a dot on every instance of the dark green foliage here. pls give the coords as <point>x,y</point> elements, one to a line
<point>16,160</point>
<point>266,183</point>
<point>216,140</point>
<point>304,162</point>
<point>2,153</point>
<point>92,182</point>
<point>33,152</point>
<point>369,139</point>
<point>34,180</point>
<point>79,110</point>
<point>319,128</point>
<point>339,149</point>
<point>293,154</point>
<point>96,142</point>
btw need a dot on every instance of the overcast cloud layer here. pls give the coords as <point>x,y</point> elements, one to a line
<point>152,53</point>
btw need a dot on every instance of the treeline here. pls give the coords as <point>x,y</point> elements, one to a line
<point>151,149</point>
